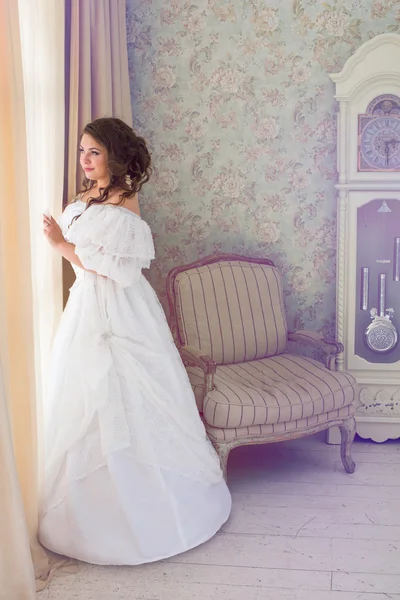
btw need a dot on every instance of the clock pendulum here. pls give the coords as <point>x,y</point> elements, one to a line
<point>381,335</point>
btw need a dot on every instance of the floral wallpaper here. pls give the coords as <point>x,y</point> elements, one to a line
<point>235,101</point>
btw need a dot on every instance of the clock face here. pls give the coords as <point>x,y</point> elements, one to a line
<point>380,145</point>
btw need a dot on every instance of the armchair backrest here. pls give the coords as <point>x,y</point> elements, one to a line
<point>229,307</point>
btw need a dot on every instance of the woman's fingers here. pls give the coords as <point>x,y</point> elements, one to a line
<point>46,225</point>
<point>47,221</point>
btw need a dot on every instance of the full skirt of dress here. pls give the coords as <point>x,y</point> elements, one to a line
<point>131,476</point>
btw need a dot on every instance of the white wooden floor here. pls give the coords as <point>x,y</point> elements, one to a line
<point>301,529</point>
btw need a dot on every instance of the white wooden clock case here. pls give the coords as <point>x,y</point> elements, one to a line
<point>372,71</point>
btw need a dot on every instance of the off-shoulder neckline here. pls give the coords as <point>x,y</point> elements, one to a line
<point>113,206</point>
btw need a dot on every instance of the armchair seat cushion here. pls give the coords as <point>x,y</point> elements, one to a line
<point>219,434</point>
<point>279,389</point>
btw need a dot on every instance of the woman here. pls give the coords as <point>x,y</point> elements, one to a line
<point>130,476</point>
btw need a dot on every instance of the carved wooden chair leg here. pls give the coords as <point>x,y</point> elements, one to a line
<point>223,453</point>
<point>347,431</point>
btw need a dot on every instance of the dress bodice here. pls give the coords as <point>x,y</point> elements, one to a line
<point>110,240</point>
<point>75,209</point>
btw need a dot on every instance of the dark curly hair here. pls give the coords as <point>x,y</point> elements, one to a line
<point>129,160</point>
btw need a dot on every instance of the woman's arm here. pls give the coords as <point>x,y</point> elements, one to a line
<point>67,250</point>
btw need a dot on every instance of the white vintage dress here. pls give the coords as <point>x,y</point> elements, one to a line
<point>130,476</point>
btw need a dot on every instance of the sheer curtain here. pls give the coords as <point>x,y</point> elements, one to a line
<point>31,163</point>
<point>17,393</point>
<point>42,44</point>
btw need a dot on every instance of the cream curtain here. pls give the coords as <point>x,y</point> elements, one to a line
<point>17,580</point>
<point>97,78</point>
<point>18,475</point>
<point>31,174</point>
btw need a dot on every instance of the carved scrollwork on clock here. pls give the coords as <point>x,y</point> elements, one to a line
<point>383,402</point>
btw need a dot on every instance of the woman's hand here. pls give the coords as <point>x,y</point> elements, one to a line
<point>52,231</point>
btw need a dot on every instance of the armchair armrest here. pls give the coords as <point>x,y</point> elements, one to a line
<point>315,340</point>
<point>193,357</point>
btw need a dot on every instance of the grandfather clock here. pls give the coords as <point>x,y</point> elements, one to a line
<point>368,257</point>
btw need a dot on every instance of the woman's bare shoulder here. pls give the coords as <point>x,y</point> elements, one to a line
<point>131,204</point>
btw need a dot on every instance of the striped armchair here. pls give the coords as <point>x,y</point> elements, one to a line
<point>228,319</point>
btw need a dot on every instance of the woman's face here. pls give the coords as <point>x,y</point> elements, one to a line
<point>93,159</point>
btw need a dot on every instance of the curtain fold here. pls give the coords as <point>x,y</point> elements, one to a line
<point>42,50</point>
<point>31,164</point>
<point>17,580</point>
<point>18,443</point>
<point>42,45</point>
<point>97,81</point>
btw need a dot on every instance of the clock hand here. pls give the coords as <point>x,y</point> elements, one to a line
<point>387,152</point>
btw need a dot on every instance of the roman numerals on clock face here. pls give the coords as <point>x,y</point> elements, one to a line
<point>380,144</point>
